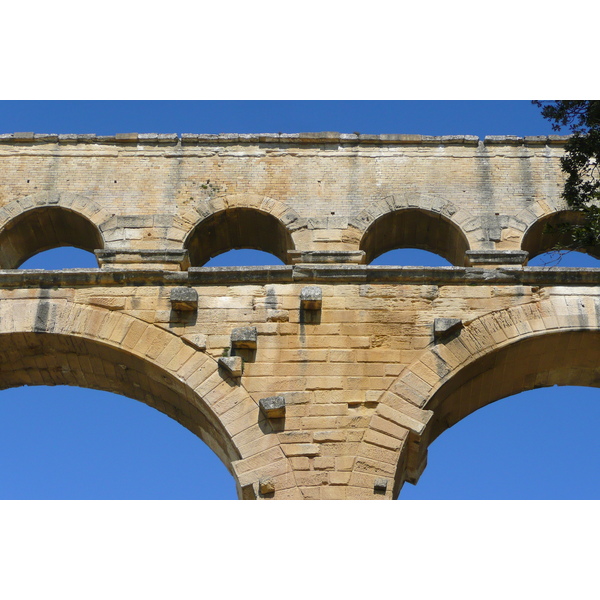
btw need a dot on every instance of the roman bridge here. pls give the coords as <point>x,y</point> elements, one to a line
<point>325,377</point>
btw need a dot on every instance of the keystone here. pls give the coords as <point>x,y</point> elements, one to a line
<point>311,298</point>
<point>184,298</point>
<point>244,337</point>
<point>273,406</point>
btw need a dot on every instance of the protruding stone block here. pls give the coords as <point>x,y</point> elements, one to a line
<point>311,297</point>
<point>380,485</point>
<point>232,364</point>
<point>244,337</point>
<point>184,298</point>
<point>444,327</point>
<point>266,486</point>
<point>273,406</point>
<point>197,340</point>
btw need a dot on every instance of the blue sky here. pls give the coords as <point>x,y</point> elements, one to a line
<point>70,443</point>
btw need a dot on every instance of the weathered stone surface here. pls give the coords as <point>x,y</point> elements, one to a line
<point>197,340</point>
<point>266,486</point>
<point>233,364</point>
<point>366,384</point>
<point>496,257</point>
<point>444,327</point>
<point>311,298</point>
<point>244,337</point>
<point>380,485</point>
<point>320,257</point>
<point>273,406</point>
<point>184,298</point>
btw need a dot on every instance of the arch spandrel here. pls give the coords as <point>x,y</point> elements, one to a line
<point>555,341</point>
<point>58,342</point>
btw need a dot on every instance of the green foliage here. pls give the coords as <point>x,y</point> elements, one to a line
<point>581,164</point>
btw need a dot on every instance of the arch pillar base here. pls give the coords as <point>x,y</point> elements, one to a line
<point>496,258</point>
<point>164,260</point>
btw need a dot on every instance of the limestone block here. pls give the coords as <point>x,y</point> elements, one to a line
<point>273,406</point>
<point>326,256</point>
<point>311,298</point>
<point>233,364</point>
<point>184,298</point>
<point>444,327</point>
<point>108,302</point>
<point>244,337</point>
<point>380,485</point>
<point>266,486</point>
<point>496,257</point>
<point>197,340</point>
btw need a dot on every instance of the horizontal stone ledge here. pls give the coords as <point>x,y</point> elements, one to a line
<point>242,275</point>
<point>326,274</point>
<point>170,260</point>
<point>515,140</point>
<point>40,278</point>
<point>496,257</point>
<point>322,137</point>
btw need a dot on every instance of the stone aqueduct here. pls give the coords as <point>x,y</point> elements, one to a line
<point>323,378</point>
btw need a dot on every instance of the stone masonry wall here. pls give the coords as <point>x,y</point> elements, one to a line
<point>323,378</point>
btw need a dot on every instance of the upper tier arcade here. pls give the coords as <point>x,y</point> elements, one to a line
<point>170,202</point>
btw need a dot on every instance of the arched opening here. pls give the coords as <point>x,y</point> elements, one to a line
<point>544,235</point>
<point>243,258</point>
<point>49,359</point>
<point>562,358</point>
<point>234,229</point>
<point>44,228</point>
<point>579,260</point>
<point>65,257</point>
<point>415,228</point>
<point>518,448</point>
<point>408,257</point>
<point>72,443</point>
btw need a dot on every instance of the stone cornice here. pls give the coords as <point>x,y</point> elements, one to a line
<point>277,139</point>
<point>305,273</point>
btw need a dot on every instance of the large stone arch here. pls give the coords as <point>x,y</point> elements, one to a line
<point>55,341</point>
<point>395,222</point>
<point>242,221</point>
<point>552,341</point>
<point>48,220</point>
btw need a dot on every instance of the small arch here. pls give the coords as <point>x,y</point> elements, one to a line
<point>539,241</point>
<point>43,228</point>
<point>415,228</point>
<point>235,229</point>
